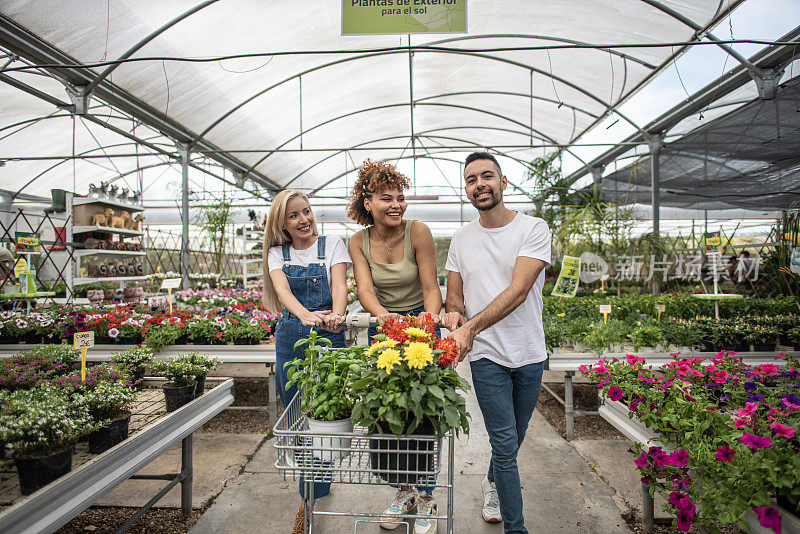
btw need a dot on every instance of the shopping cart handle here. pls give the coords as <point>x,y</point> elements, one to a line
<point>360,320</point>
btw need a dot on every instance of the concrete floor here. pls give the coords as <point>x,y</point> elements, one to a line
<point>563,489</point>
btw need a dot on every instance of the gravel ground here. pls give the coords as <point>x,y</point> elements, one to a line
<point>108,520</point>
<point>584,398</point>
<point>239,422</point>
<point>250,391</point>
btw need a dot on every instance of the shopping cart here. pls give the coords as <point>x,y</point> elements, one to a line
<point>360,458</point>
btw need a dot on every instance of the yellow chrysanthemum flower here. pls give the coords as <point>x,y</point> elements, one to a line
<point>418,355</point>
<point>413,331</point>
<point>386,343</point>
<point>388,359</point>
<point>561,314</point>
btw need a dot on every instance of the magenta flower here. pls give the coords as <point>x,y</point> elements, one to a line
<point>769,517</point>
<point>641,461</point>
<point>725,454</point>
<point>684,520</point>
<point>782,431</point>
<point>756,442</point>
<point>615,393</point>
<point>739,423</point>
<point>678,458</point>
<point>749,409</point>
<point>674,498</point>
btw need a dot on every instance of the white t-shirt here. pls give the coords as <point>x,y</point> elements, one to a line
<point>485,258</point>
<point>335,252</point>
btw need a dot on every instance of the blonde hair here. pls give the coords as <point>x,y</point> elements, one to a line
<point>275,235</point>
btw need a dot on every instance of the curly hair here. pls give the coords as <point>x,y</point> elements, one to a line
<point>373,177</point>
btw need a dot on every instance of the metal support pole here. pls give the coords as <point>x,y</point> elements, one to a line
<point>183,148</point>
<point>569,407</point>
<point>187,470</point>
<point>450,480</point>
<point>648,514</point>
<point>655,142</point>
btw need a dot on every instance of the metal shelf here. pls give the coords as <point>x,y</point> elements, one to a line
<point>108,229</point>
<point>82,281</point>
<point>106,202</point>
<point>102,251</point>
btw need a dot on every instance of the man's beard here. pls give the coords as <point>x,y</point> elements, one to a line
<point>495,200</point>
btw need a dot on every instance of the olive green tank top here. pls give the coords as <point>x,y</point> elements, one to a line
<point>397,285</point>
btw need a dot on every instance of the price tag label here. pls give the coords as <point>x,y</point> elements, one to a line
<point>157,300</point>
<point>661,308</point>
<point>605,308</point>
<point>171,283</point>
<point>83,340</point>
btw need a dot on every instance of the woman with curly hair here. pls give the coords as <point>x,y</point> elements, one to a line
<point>395,268</point>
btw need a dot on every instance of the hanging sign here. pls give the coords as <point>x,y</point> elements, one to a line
<point>27,242</point>
<point>365,17</point>
<point>83,341</point>
<point>567,283</point>
<point>713,241</point>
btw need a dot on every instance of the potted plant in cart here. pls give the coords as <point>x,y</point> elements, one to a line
<point>325,378</point>
<point>408,386</point>
<point>135,360</point>
<point>40,427</point>
<point>180,374</point>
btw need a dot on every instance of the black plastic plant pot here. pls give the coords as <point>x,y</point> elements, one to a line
<point>245,341</point>
<point>764,347</point>
<point>35,473</point>
<point>404,455</point>
<point>740,347</point>
<point>177,397</point>
<point>106,437</point>
<point>33,338</point>
<point>201,386</point>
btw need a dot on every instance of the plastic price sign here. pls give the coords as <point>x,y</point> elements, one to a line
<point>83,341</point>
<point>169,284</point>
<point>605,309</point>
<point>156,300</point>
<point>660,308</point>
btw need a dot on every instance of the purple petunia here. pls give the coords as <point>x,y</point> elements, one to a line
<point>678,458</point>
<point>725,454</point>
<point>750,386</point>
<point>615,393</point>
<point>755,397</point>
<point>769,517</point>
<point>641,461</point>
<point>756,442</point>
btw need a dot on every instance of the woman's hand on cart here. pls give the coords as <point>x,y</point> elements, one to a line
<point>452,320</point>
<point>383,317</point>
<point>333,322</point>
<point>314,318</point>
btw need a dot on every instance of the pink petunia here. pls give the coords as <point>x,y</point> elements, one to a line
<point>756,442</point>
<point>739,423</point>
<point>641,461</point>
<point>678,458</point>
<point>725,454</point>
<point>769,369</point>
<point>769,517</point>
<point>674,498</point>
<point>749,409</point>
<point>794,407</point>
<point>782,431</point>
<point>615,393</point>
<point>684,521</point>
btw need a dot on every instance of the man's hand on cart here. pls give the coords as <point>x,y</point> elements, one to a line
<point>463,337</point>
<point>427,315</point>
<point>452,320</point>
<point>383,317</point>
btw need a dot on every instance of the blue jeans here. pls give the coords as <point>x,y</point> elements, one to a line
<point>287,332</point>
<point>507,397</point>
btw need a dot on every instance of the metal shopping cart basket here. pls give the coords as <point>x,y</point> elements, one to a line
<point>360,458</point>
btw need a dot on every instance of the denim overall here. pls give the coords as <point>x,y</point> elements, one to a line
<point>310,286</point>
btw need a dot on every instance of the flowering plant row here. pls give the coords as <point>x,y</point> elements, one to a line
<point>731,427</point>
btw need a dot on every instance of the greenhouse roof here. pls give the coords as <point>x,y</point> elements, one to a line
<point>278,97</point>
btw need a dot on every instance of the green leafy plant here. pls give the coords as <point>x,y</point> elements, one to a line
<point>205,363</point>
<point>163,335</point>
<point>133,358</point>
<point>602,335</point>
<point>108,401</point>
<point>178,371</point>
<point>646,335</point>
<point>325,376</point>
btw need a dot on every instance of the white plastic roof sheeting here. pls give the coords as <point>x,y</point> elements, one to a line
<point>337,100</point>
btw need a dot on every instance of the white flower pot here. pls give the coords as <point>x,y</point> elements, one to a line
<point>324,444</point>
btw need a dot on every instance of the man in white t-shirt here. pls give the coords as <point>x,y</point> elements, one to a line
<point>494,312</point>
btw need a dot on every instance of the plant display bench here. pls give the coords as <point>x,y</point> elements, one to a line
<point>361,458</point>
<point>152,433</point>
<point>568,362</point>
<point>617,414</point>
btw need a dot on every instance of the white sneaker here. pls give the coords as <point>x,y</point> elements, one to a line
<point>491,503</point>
<point>426,506</point>
<point>405,502</point>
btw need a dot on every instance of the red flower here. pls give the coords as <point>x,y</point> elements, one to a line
<point>219,335</point>
<point>449,349</point>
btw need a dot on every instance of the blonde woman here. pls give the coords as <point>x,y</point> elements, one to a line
<point>305,281</point>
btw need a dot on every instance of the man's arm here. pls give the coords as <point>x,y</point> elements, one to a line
<point>525,272</point>
<point>454,304</point>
